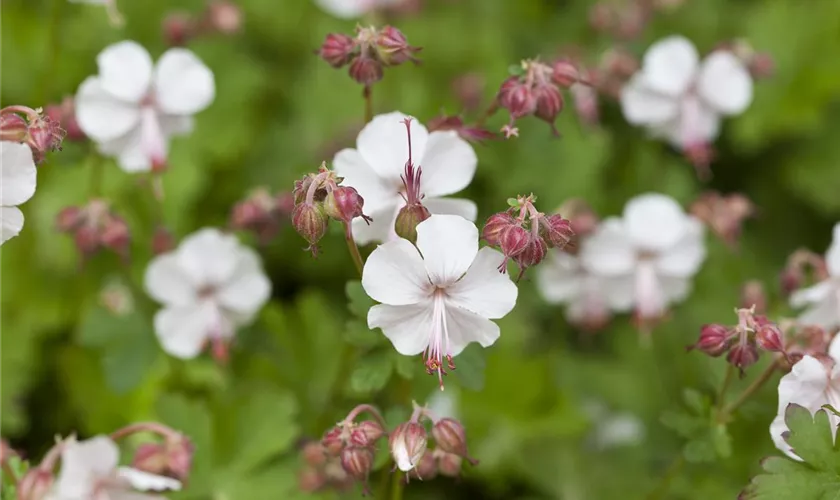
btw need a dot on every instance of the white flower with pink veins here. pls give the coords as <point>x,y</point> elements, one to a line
<point>18,176</point>
<point>439,296</point>
<point>676,97</point>
<point>376,166</point>
<point>823,299</point>
<point>349,9</point>
<point>133,107</point>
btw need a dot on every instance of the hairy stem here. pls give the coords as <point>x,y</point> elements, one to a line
<point>751,389</point>
<point>368,95</point>
<point>353,248</point>
<point>397,486</point>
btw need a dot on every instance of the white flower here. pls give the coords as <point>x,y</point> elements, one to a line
<point>677,97</point>
<point>811,383</point>
<point>824,297</point>
<point>17,184</point>
<point>649,254</point>
<point>375,166</point>
<point>439,296</point>
<point>348,9</point>
<point>89,469</point>
<point>132,108</point>
<point>209,286</point>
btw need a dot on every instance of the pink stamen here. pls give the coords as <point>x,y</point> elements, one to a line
<point>438,348</point>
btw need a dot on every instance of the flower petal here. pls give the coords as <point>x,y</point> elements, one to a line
<point>166,281</point>
<point>669,65</point>
<point>101,115</point>
<point>683,259</point>
<point>394,274</point>
<point>131,152</point>
<point>377,193</point>
<point>18,174</point>
<point>825,313</point>
<point>144,481</point>
<point>183,330</point>
<point>452,206</point>
<point>655,222</point>
<point>674,290</point>
<point>465,327</point>
<point>407,327</point>
<point>209,256</point>
<point>559,278</point>
<point>345,9</point>
<point>183,84</point>
<point>777,429</point>
<point>484,290</point>
<point>644,106</point>
<point>125,71</point>
<point>175,124</point>
<point>249,288</point>
<point>832,255</point>
<point>618,292</point>
<point>697,124</point>
<point>811,295</point>
<point>384,144</point>
<point>380,229</point>
<point>11,223</point>
<point>82,462</point>
<point>449,244</point>
<point>608,251</point>
<point>724,83</point>
<point>448,164</point>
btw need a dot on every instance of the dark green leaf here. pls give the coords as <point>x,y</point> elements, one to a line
<point>470,367</point>
<point>358,300</point>
<point>266,426</point>
<point>371,373</point>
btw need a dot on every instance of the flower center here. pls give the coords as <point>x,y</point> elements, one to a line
<point>438,348</point>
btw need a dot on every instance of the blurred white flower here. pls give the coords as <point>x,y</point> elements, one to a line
<point>132,108</point>
<point>209,286</point>
<point>823,299</point>
<point>17,184</point>
<point>439,296</point>
<point>649,255</point>
<point>811,383</point>
<point>89,469</point>
<point>348,9</point>
<point>375,168</point>
<point>613,429</point>
<point>677,97</point>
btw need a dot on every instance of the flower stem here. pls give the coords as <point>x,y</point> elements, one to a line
<point>397,486</point>
<point>751,389</point>
<point>727,381</point>
<point>10,472</point>
<point>665,482</point>
<point>368,95</point>
<point>353,248</point>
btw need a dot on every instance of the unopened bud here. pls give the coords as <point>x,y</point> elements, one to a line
<point>64,114</point>
<point>450,437</point>
<point>151,458</point>
<point>178,29</point>
<point>426,469</point>
<point>311,480</point>
<point>357,462</point>
<point>225,16</point>
<point>44,136</point>
<point>564,73</point>
<point>36,484</point>
<point>333,442</point>
<point>769,337</point>
<point>601,17</point>
<point>408,444</point>
<point>310,221</point>
<point>743,355</point>
<point>367,433</point>
<point>516,96</point>
<point>393,47</point>
<point>337,49</point>
<point>514,240</point>
<point>549,103</point>
<point>556,230</point>
<point>13,128</point>
<point>366,70</point>
<point>345,204</point>
<point>533,254</point>
<point>314,454</point>
<point>408,218</point>
<point>180,452</point>
<point>115,235</point>
<point>449,465</point>
<point>68,219</point>
<point>714,340</point>
<point>495,227</point>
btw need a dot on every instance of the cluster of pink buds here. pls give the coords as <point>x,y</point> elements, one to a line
<point>626,20</point>
<point>742,341</point>
<point>524,234</point>
<point>804,340</point>
<point>760,64</point>
<point>220,17</point>
<point>64,115</point>
<point>31,127</point>
<point>262,213</point>
<point>368,53</point>
<point>723,214</point>
<point>582,219</point>
<point>614,69</point>
<point>802,266</point>
<point>94,227</point>
<point>319,197</point>
<point>535,90</point>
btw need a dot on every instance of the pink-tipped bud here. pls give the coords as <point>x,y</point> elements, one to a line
<point>769,337</point>
<point>408,444</point>
<point>337,49</point>
<point>69,219</point>
<point>64,114</point>
<point>495,227</point>
<point>514,240</point>
<point>225,17</point>
<point>178,29</point>
<point>310,221</point>
<point>533,254</point>
<point>790,280</point>
<point>408,218</point>
<point>367,433</point>
<point>151,458</point>
<point>36,484</point>
<point>393,47</point>
<point>162,240</point>
<point>549,103</point>
<point>357,462</point>
<point>762,65</point>
<point>450,437</point>
<point>314,454</point>
<point>601,17</point>
<point>426,469</point>
<point>714,340</point>
<point>13,128</point>
<point>116,236</point>
<point>517,97</point>
<point>556,230</point>
<point>345,204</point>
<point>366,70</point>
<point>45,136</point>
<point>564,73</point>
<point>172,458</point>
<point>333,441</point>
<point>743,355</point>
<point>449,464</point>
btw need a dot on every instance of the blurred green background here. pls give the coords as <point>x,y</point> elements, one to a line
<point>70,365</point>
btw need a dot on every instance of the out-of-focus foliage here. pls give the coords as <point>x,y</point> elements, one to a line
<point>70,365</point>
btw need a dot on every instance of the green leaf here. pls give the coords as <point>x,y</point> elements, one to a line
<point>405,366</point>
<point>513,202</point>
<point>358,300</point>
<point>699,451</point>
<point>516,70</point>
<point>271,483</point>
<point>722,441</point>
<point>265,426</point>
<point>372,373</point>
<point>358,334</point>
<point>696,402</point>
<point>470,367</point>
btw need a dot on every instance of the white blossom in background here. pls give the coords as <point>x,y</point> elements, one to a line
<point>209,286</point>
<point>649,254</point>
<point>349,9</point>
<point>439,296</point>
<point>613,429</point>
<point>17,184</point>
<point>90,470</point>
<point>677,97</point>
<point>375,168</point>
<point>132,107</point>
<point>811,383</point>
<point>823,299</point>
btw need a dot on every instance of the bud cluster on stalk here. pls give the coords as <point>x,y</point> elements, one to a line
<point>802,267</point>
<point>262,213</point>
<point>220,17</point>
<point>367,53</point>
<point>723,214</point>
<point>172,458</point>
<point>319,197</point>
<point>804,340</point>
<point>33,128</point>
<point>524,234</point>
<point>470,133</point>
<point>95,227</point>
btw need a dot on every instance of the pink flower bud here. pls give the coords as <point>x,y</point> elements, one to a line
<point>314,454</point>
<point>224,16</point>
<point>311,480</point>
<point>450,437</point>
<point>178,29</point>
<point>333,441</point>
<point>337,49</point>
<point>64,114</point>
<point>357,462</point>
<point>556,230</point>
<point>367,433</point>
<point>345,204</point>
<point>564,73</point>
<point>533,254</point>
<point>449,464</point>
<point>180,452</point>
<point>393,47</point>
<point>469,90</point>
<point>426,469</point>
<point>45,136</point>
<point>13,128</point>
<point>87,239</point>
<point>115,235</point>
<point>36,484</point>
<point>495,227</point>
<point>601,17</point>
<point>69,219</point>
<point>743,355</point>
<point>714,340</point>
<point>769,338</point>
<point>310,221</point>
<point>151,458</point>
<point>162,240</point>
<point>407,219</point>
<point>366,70</point>
<point>514,240</point>
<point>517,97</point>
<point>408,444</point>
<point>549,103</point>
<point>762,65</point>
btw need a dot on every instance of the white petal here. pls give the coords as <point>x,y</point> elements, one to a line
<point>448,164</point>
<point>183,330</point>
<point>484,290</point>
<point>130,151</point>
<point>669,66</point>
<point>675,289</point>
<point>407,327</point>
<point>650,296</point>
<point>175,124</point>
<point>832,255</point>
<point>834,351</point>
<point>18,174</point>
<point>394,274</point>
<point>683,259</point>
<point>452,206</point>
<point>11,223</point>
<point>82,463</point>
<point>812,295</point>
<point>345,9</point>
<point>378,194</point>
<point>618,292</point>
<point>209,256</point>
<point>183,84</point>
<point>384,144</point>
<point>697,124</point>
<point>465,327</point>
<point>643,106</point>
<point>145,481</point>
<point>825,313</point>
<point>655,221</point>
<point>101,115</point>
<point>401,456</point>
<point>725,83</point>
<point>449,244</point>
<point>166,281</point>
<point>805,385</point>
<point>777,428</point>
<point>249,288</point>
<point>559,278</point>
<point>125,70</point>
<point>380,229</point>
<point>609,250</point>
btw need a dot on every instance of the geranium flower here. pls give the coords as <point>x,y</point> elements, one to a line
<point>349,9</point>
<point>17,184</point>
<point>89,469</point>
<point>439,296</point>
<point>682,100</point>
<point>209,286</point>
<point>375,168</point>
<point>823,299</point>
<point>131,108</point>
<point>650,254</point>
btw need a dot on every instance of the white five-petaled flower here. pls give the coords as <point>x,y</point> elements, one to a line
<point>348,9</point>
<point>823,298</point>
<point>209,286</point>
<point>649,254</point>
<point>439,296</point>
<point>17,184</point>
<point>811,383</point>
<point>375,168</point>
<point>132,108</point>
<point>90,470</point>
<point>677,97</point>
